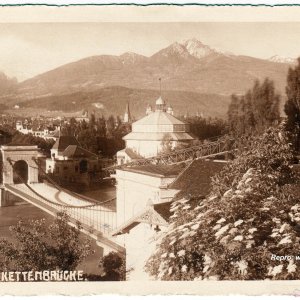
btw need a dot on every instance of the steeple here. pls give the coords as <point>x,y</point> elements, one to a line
<point>160,103</point>
<point>127,116</point>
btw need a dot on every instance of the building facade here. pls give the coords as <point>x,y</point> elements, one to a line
<point>69,162</point>
<point>157,131</point>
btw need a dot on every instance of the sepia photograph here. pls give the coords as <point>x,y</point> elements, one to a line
<point>149,151</point>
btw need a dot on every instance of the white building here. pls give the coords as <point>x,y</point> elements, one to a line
<point>144,197</point>
<point>150,134</point>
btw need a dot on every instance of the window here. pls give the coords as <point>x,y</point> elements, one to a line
<point>76,169</point>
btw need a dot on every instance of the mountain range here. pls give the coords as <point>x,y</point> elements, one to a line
<point>186,68</point>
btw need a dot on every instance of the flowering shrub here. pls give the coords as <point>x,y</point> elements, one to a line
<point>251,215</point>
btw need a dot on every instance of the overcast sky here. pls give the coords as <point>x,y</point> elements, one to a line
<point>29,49</point>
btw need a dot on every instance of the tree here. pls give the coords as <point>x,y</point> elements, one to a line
<point>166,144</point>
<point>114,267</point>
<point>255,111</point>
<point>292,105</point>
<point>250,216</point>
<point>39,246</point>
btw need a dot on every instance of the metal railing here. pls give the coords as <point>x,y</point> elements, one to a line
<point>208,149</point>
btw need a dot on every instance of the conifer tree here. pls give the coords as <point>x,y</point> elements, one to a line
<point>292,105</point>
<point>255,111</point>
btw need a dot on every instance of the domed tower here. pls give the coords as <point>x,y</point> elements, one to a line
<point>149,109</point>
<point>170,110</point>
<point>160,105</point>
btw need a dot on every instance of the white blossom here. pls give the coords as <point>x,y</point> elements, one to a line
<point>222,230</point>
<point>184,268</point>
<point>276,270</point>
<point>222,220</point>
<point>195,227</point>
<point>242,267</point>
<point>227,193</point>
<point>218,226</point>
<point>285,240</point>
<point>284,227</point>
<point>239,238</point>
<point>181,253</point>
<point>291,267</point>
<point>249,244</point>
<point>252,230</point>
<point>295,207</point>
<point>239,222</point>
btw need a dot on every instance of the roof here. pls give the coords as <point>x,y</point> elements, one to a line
<point>158,136</point>
<point>64,141</point>
<point>195,180</point>
<point>149,216</point>
<point>160,170</point>
<point>132,154</point>
<point>158,118</point>
<point>157,214</point>
<point>74,151</point>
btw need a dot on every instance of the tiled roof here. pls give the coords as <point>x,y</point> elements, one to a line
<point>74,151</point>
<point>159,117</point>
<point>195,180</point>
<point>64,141</point>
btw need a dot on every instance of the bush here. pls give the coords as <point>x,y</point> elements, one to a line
<point>39,246</point>
<point>252,213</point>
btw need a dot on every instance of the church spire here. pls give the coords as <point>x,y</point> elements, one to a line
<point>127,115</point>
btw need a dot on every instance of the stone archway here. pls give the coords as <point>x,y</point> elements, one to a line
<point>20,172</point>
<point>20,160</point>
<point>83,166</point>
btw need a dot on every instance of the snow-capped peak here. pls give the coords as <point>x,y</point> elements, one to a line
<point>196,48</point>
<point>281,59</point>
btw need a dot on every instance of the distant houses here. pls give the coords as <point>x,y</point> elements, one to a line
<point>38,130</point>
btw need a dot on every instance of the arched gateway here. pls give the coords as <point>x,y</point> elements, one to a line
<point>19,165</point>
<point>20,171</point>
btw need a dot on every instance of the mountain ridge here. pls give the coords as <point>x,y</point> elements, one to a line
<point>187,66</point>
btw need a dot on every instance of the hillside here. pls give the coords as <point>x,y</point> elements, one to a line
<point>186,66</point>
<point>112,100</point>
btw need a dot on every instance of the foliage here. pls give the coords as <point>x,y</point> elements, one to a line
<point>101,136</point>
<point>251,213</point>
<point>114,267</point>
<point>292,105</point>
<point>207,128</point>
<point>29,139</point>
<point>39,246</point>
<point>255,111</point>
